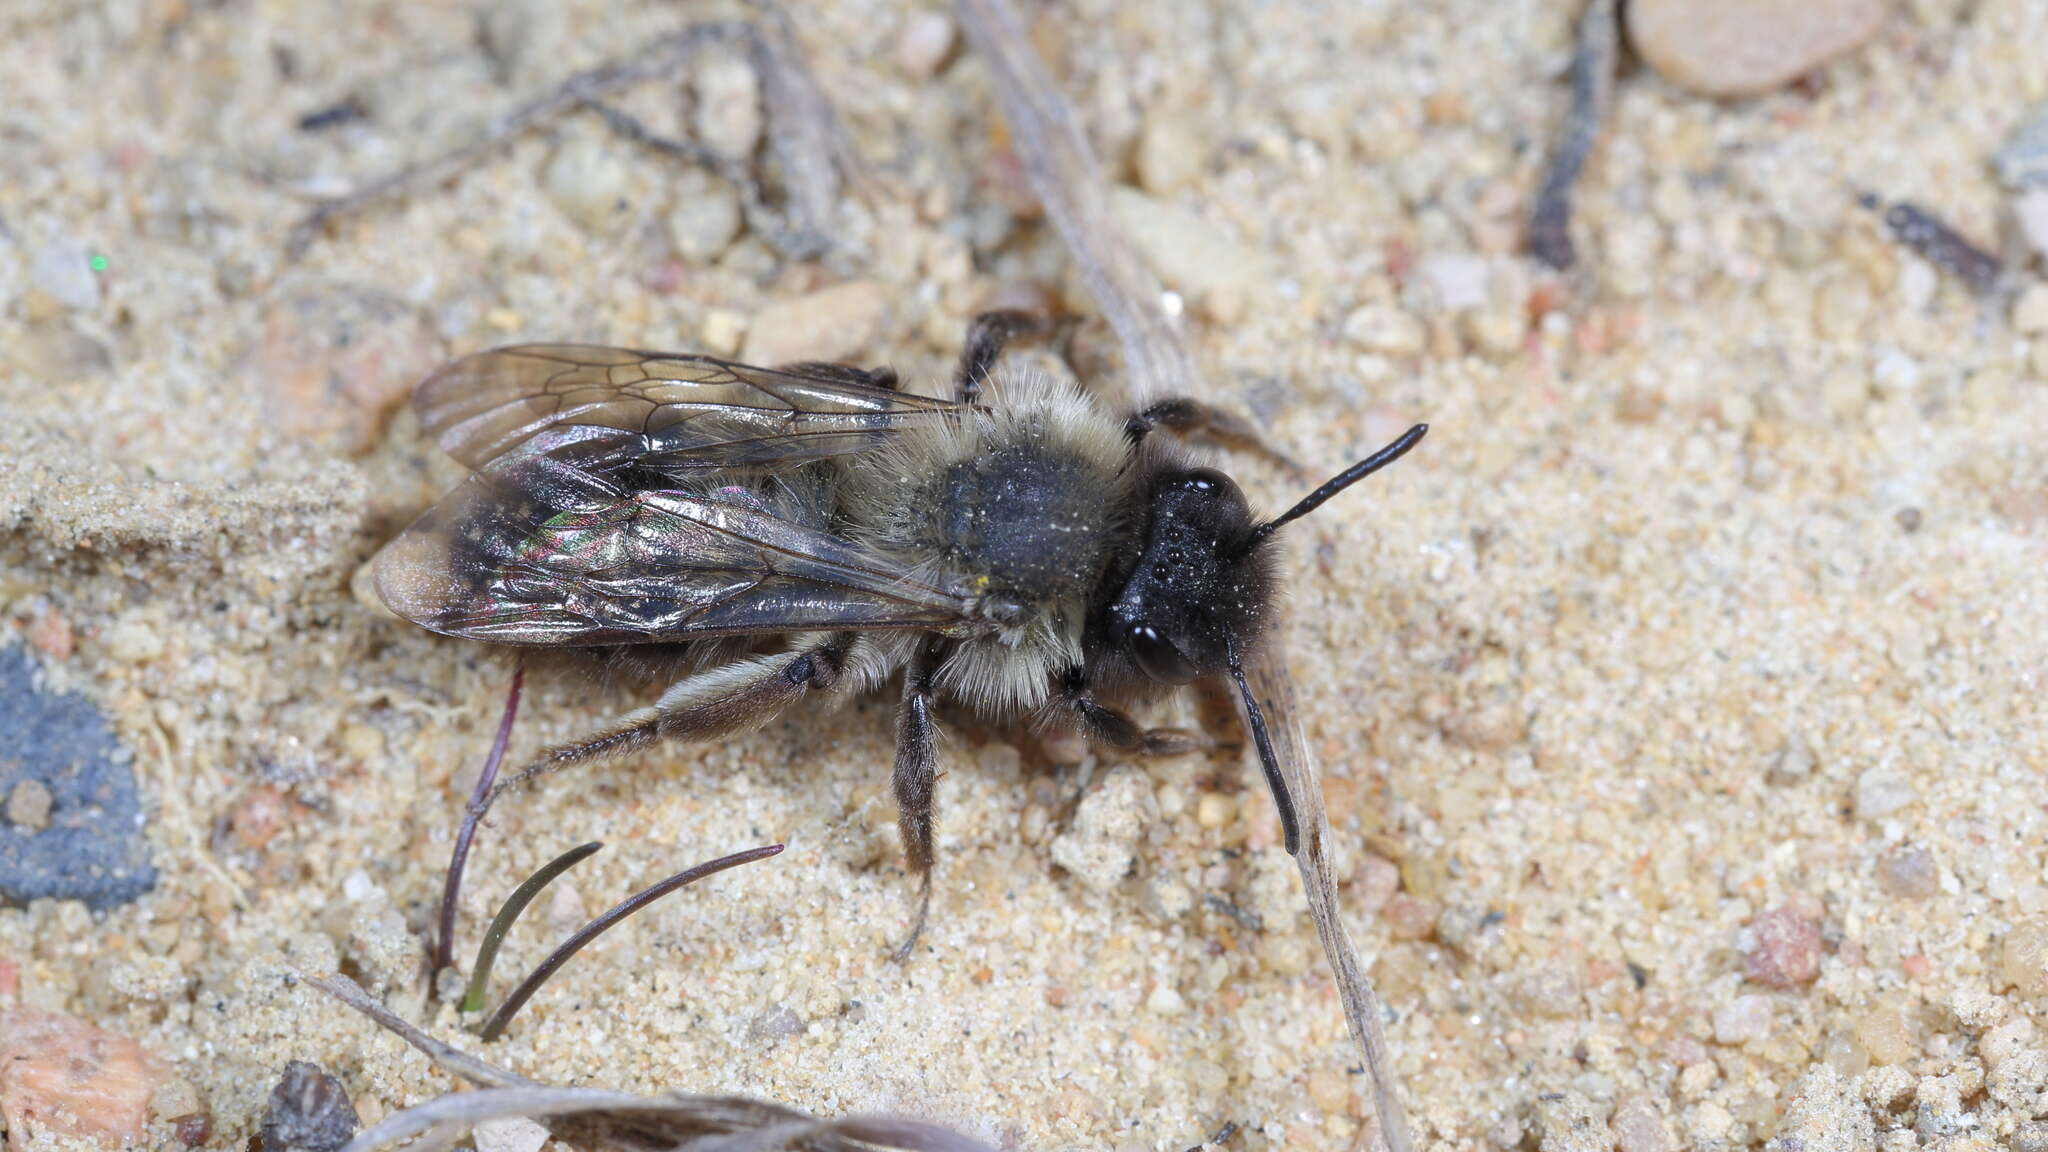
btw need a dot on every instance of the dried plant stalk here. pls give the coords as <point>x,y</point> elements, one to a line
<point>1063,172</point>
<point>595,1118</point>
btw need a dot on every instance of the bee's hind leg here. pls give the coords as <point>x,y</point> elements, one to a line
<point>917,773</point>
<point>987,335</point>
<point>728,698</point>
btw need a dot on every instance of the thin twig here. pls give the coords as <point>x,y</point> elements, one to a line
<point>480,1072</point>
<point>508,914</point>
<point>596,1118</point>
<point>1591,79</point>
<point>597,927</point>
<point>659,57</point>
<point>479,801</point>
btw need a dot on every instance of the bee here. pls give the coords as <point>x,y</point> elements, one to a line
<point>811,532</point>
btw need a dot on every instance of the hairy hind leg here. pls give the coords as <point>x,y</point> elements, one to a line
<point>729,698</point>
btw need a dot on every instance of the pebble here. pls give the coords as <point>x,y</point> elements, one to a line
<point>706,215</point>
<point>2030,208</point>
<point>777,1022</point>
<point>1742,1019</point>
<point>50,633</point>
<point>89,842</point>
<point>28,805</point>
<point>829,324</point>
<point>1886,1031</point>
<point>335,360</point>
<point>309,1111</point>
<point>1638,1126</point>
<point>1735,48</point>
<point>1103,841</point>
<point>2023,958</point>
<point>519,36</point>
<point>588,180</point>
<point>925,43</point>
<point>1214,810</point>
<point>1170,154</point>
<point>728,118</point>
<point>1377,880</point>
<point>1908,871</point>
<point>509,1134</point>
<point>2030,311</point>
<point>1781,949</point>
<point>2022,160</point>
<point>62,1076</point>
<point>1881,791</point>
<point>1570,1122</point>
<point>1792,763</point>
<point>721,330</point>
<point>1386,330</point>
<point>62,270</point>
<point>1824,1115</point>
<point>1458,280</point>
<point>1187,252</point>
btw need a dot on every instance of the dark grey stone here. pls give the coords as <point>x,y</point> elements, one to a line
<point>91,847</point>
<point>309,1112</point>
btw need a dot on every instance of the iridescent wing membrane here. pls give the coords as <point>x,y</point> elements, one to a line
<point>607,508</point>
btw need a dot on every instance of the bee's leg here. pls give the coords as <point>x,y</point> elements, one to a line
<point>917,771</point>
<point>987,334</point>
<point>1109,727</point>
<point>718,700</point>
<point>1185,416</point>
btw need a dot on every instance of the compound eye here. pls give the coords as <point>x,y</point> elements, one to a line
<point>1156,656</point>
<point>1205,480</point>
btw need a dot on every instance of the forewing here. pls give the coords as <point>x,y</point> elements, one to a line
<point>544,545</point>
<point>684,412</point>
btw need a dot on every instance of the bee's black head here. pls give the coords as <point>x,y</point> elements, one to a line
<point>1201,588</point>
<point>1199,583</point>
<point>1195,600</point>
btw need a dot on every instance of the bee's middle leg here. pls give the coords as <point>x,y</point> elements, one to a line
<point>728,698</point>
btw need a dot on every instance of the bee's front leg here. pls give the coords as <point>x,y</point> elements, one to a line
<point>1115,729</point>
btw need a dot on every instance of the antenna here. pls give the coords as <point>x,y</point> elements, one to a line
<point>1334,485</point>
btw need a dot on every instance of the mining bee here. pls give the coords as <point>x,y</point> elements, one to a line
<point>776,535</point>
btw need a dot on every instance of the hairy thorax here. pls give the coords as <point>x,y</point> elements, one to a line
<point>1023,504</point>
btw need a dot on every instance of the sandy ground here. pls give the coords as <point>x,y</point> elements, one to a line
<point>1715,593</point>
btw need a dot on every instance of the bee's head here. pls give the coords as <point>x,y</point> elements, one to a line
<point>1201,588</point>
<point>1196,598</point>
